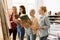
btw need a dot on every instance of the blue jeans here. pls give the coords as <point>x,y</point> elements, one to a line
<point>44,38</point>
<point>29,37</point>
<point>29,34</point>
<point>21,32</point>
<point>34,36</point>
<point>58,38</point>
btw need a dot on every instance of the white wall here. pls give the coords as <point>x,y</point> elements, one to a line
<point>9,2</point>
<point>29,4</point>
<point>38,4</point>
<point>52,5</point>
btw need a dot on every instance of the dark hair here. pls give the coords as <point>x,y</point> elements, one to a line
<point>23,7</point>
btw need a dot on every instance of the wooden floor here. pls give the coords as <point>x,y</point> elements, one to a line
<point>25,38</point>
<point>36,38</point>
<point>18,39</point>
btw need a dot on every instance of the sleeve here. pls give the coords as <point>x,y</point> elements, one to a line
<point>46,23</point>
<point>11,18</point>
<point>35,22</point>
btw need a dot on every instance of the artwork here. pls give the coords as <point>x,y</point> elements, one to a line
<point>4,24</point>
<point>25,21</point>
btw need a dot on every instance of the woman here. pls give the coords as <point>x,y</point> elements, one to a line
<point>21,30</point>
<point>34,25</point>
<point>13,21</point>
<point>44,23</point>
<point>29,35</point>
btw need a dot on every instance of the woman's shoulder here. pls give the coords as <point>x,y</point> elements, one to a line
<point>35,19</point>
<point>46,17</point>
<point>22,15</point>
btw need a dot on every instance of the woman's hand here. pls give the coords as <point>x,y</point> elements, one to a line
<point>16,21</point>
<point>41,28</point>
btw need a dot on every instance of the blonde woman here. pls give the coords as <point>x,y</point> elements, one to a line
<point>34,25</point>
<point>13,21</point>
<point>44,23</point>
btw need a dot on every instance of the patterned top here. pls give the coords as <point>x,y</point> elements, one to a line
<point>13,24</point>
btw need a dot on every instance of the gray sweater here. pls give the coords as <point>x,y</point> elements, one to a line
<point>44,22</point>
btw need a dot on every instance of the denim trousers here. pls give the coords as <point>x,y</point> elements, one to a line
<point>21,32</point>
<point>34,36</point>
<point>14,33</point>
<point>29,35</point>
<point>44,38</point>
<point>58,38</point>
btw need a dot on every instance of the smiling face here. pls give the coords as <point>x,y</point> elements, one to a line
<point>42,10</point>
<point>14,9</point>
<point>32,13</point>
<point>20,10</point>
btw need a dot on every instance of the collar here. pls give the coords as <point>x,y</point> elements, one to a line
<point>41,16</point>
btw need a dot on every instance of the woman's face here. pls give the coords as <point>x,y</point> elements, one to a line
<point>13,10</point>
<point>20,10</point>
<point>32,13</point>
<point>40,11</point>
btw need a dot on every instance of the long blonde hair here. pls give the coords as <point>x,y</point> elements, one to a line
<point>15,9</point>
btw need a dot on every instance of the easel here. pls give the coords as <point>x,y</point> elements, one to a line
<point>4,22</point>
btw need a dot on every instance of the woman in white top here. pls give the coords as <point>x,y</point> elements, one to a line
<point>21,29</point>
